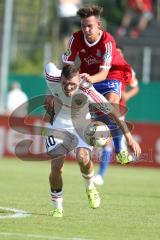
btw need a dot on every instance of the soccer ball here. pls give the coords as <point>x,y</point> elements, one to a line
<point>97,134</point>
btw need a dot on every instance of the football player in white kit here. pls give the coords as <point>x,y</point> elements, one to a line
<point>72,97</point>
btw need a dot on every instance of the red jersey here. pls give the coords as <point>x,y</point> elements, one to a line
<point>101,54</point>
<point>147,5</point>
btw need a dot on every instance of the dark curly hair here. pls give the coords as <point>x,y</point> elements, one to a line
<point>93,10</point>
<point>69,71</point>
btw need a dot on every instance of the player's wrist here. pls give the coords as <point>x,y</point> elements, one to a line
<point>93,79</point>
<point>128,137</point>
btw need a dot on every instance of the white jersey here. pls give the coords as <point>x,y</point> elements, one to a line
<point>67,108</point>
<point>70,112</point>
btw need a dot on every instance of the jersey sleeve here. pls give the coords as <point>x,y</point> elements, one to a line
<point>71,52</point>
<point>97,100</point>
<point>52,76</point>
<point>107,54</point>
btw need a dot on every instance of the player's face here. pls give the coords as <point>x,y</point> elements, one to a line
<point>70,86</point>
<point>91,28</point>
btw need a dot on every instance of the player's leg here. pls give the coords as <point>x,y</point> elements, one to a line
<point>56,184</point>
<point>144,20</point>
<point>122,154</point>
<point>126,21</point>
<point>106,154</point>
<point>83,156</point>
<point>116,132</point>
<point>112,91</point>
<point>55,178</point>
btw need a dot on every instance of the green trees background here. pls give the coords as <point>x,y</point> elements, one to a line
<point>35,24</point>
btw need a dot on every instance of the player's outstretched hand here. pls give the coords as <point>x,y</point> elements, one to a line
<point>134,147</point>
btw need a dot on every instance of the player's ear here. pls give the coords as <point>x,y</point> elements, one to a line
<point>99,24</point>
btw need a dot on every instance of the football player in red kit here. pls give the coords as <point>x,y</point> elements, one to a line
<point>102,65</point>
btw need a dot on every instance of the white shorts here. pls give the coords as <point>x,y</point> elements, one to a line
<point>61,134</point>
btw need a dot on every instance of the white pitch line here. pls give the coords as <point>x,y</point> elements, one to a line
<point>20,235</point>
<point>16,213</point>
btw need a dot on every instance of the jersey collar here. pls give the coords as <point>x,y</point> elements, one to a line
<point>94,43</point>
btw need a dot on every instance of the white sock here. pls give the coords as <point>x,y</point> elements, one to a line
<point>57,199</point>
<point>88,178</point>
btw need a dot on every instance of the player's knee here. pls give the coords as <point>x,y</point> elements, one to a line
<point>113,98</point>
<point>83,156</point>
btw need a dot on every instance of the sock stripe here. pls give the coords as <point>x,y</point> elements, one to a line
<point>87,176</point>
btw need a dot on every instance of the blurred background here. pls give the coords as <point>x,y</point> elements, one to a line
<point>35,32</point>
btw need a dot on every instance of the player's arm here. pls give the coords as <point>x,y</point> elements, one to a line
<point>132,144</point>
<point>133,88</point>
<point>102,104</point>
<point>52,76</point>
<point>98,77</point>
<point>108,52</point>
<point>70,54</point>
<point>49,108</point>
<point>130,93</point>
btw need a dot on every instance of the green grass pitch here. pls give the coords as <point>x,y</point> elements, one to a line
<point>130,204</point>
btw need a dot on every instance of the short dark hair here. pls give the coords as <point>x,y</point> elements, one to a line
<point>88,11</point>
<point>69,71</point>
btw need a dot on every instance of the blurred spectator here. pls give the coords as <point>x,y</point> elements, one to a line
<point>67,12</point>
<point>140,11</point>
<point>15,98</point>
